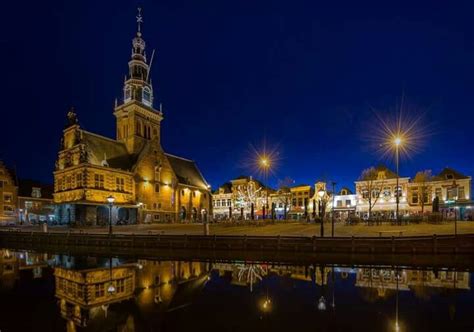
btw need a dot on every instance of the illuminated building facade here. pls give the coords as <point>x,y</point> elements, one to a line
<point>241,195</point>
<point>8,195</point>
<point>35,202</point>
<point>379,194</point>
<point>148,184</point>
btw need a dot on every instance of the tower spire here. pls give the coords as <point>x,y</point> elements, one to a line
<point>139,20</point>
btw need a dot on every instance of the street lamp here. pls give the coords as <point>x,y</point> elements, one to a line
<point>265,164</point>
<point>321,194</point>
<point>332,214</point>
<point>110,200</point>
<point>397,141</point>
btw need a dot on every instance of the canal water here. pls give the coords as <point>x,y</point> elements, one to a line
<point>58,292</point>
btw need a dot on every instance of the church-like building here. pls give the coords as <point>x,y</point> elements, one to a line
<point>147,184</point>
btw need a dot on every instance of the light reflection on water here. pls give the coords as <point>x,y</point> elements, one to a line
<point>65,293</point>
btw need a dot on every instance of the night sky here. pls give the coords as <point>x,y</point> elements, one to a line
<point>302,76</point>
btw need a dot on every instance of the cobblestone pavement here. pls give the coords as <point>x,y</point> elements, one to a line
<point>288,229</point>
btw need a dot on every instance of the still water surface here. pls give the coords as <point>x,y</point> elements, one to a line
<point>57,292</point>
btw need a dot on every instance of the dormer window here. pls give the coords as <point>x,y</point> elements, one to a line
<point>36,192</point>
<point>449,176</point>
<point>128,93</point>
<point>147,96</point>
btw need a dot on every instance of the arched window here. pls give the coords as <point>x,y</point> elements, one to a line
<point>127,93</point>
<point>146,96</point>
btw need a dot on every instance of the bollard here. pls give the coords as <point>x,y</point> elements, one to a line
<point>45,227</point>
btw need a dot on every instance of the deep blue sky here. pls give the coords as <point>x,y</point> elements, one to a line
<point>303,74</point>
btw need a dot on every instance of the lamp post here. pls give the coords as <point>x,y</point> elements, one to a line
<point>265,164</point>
<point>455,198</point>
<point>110,200</point>
<point>333,206</point>
<point>321,194</point>
<point>397,141</point>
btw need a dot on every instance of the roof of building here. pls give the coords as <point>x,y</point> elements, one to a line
<point>389,174</point>
<point>349,192</point>
<point>115,154</point>
<point>299,186</point>
<point>100,148</point>
<point>227,188</point>
<point>186,171</point>
<point>10,171</point>
<point>26,186</point>
<point>449,174</point>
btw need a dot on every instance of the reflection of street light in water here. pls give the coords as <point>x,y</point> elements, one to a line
<point>111,288</point>
<point>322,300</point>
<point>397,327</point>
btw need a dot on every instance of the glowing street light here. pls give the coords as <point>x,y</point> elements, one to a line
<point>397,142</point>
<point>264,164</point>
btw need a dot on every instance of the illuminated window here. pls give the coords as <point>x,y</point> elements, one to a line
<point>147,96</point>
<point>461,193</point>
<point>121,282</point>
<point>348,202</point>
<point>120,184</point>
<point>8,208</point>
<point>36,192</point>
<point>79,180</point>
<point>99,290</point>
<point>99,181</point>
<point>7,198</point>
<point>128,93</point>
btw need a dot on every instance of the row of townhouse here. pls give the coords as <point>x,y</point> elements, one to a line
<point>24,201</point>
<point>375,196</point>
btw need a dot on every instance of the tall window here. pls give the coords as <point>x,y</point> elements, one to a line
<point>79,180</point>
<point>414,197</point>
<point>99,290</point>
<point>461,193</point>
<point>120,184</point>
<point>147,96</point>
<point>157,187</point>
<point>99,181</point>
<point>128,93</point>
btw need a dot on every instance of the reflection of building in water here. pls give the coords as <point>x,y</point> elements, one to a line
<point>250,274</point>
<point>84,293</point>
<point>11,263</point>
<point>169,282</point>
<point>385,279</point>
<point>9,271</point>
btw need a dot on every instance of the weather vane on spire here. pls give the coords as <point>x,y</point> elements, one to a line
<point>139,18</point>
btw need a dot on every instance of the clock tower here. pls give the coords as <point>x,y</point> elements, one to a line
<point>137,120</point>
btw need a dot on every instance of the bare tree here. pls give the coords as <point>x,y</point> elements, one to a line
<point>371,186</point>
<point>422,178</point>
<point>283,195</point>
